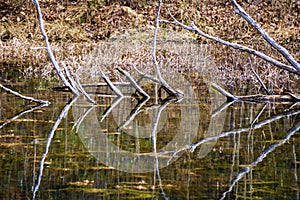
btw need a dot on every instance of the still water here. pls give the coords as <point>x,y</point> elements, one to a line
<point>198,148</point>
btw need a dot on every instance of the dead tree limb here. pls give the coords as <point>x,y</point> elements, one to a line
<point>111,85</point>
<point>252,51</point>
<point>265,35</point>
<point>69,82</point>
<point>133,83</point>
<point>49,51</point>
<point>289,97</point>
<point>169,89</point>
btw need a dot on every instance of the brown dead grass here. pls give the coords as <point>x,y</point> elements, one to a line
<point>75,27</point>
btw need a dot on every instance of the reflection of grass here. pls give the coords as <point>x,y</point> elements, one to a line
<point>130,193</point>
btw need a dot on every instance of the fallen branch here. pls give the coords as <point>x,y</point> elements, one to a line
<point>289,97</point>
<point>134,83</point>
<point>252,51</point>
<point>66,78</point>
<point>49,51</point>
<point>166,86</point>
<point>264,34</point>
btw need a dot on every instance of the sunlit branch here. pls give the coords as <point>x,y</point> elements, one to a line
<point>66,78</point>
<point>260,158</point>
<point>134,83</point>
<point>259,54</point>
<point>289,97</point>
<point>264,34</point>
<point>81,89</point>
<point>49,51</point>
<point>111,85</point>
<point>62,115</point>
<point>169,89</point>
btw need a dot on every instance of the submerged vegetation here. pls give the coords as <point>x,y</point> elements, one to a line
<point>143,136</point>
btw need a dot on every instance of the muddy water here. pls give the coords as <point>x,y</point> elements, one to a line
<point>198,151</point>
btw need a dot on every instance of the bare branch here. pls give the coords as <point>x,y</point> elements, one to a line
<point>154,41</point>
<point>169,89</point>
<point>258,97</point>
<point>265,35</point>
<point>234,45</point>
<point>81,89</point>
<point>49,51</point>
<point>111,85</point>
<point>133,83</point>
<point>228,95</point>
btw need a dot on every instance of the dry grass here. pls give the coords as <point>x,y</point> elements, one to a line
<point>76,28</point>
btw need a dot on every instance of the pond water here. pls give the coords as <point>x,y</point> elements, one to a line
<point>198,148</point>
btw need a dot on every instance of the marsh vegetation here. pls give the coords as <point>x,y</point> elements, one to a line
<point>143,100</point>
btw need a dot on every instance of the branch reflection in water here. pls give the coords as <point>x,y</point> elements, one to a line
<point>62,115</point>
<point>260,158</point>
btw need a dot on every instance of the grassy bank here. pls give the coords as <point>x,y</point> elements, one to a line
<point>75,28</point>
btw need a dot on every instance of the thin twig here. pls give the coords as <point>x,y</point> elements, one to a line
<point>228,95</point>
<point>258,78</point>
